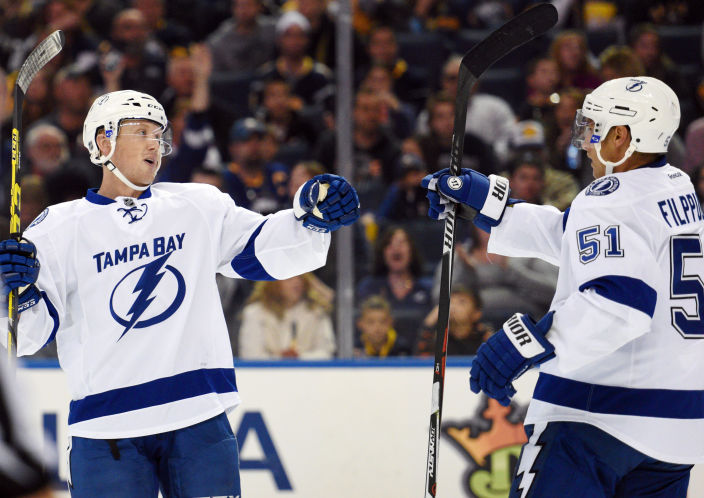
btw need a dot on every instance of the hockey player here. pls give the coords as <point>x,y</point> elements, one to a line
<point>127,289</point>
<point>618,409</point>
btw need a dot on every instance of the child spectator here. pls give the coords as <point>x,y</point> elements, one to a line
<point>465,334</point>
<point>377,335</point>
<point>287,319</point>
<point>396,276</point>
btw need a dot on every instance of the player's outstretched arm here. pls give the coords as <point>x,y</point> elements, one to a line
<point>19,269</point>
<point>486,197</point>
<point>326,203</point>
<point>521,344</point>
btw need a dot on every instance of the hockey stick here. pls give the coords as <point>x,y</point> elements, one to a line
<point>519,30</point>
<point>35,61</point>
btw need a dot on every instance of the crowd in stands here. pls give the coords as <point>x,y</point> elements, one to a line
<point>249,89</point>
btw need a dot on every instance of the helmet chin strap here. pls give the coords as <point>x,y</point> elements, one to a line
<point>105,160</point>
<point>111,166</point>
<point>611,165</point>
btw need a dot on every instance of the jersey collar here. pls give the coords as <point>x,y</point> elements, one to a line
<point>660,161</point>
<point>93,196</point>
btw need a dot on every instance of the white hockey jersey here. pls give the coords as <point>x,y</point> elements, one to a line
<point>130,296</point>
<point>628,328</point>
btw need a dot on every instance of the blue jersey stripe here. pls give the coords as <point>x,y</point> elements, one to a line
<point>156,392</point>
<point>246,263</point>
<point>54,316</point>
<point>613,400</point>
<point>565,215</point>
<point>628,291</point>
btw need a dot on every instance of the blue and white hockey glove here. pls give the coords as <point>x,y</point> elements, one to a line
<point>506,355</point>
<point>326,203</point>
<point>19,269</point>
<point>486,196</point>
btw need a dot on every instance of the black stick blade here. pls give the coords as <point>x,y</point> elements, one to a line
<point>37,59</point>
<point>521,29</point>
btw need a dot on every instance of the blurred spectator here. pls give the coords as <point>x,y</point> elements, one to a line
<point>527,145</point>
<point>72,94</point>
<point>526,180</point>
<point>644,39</point>
<point>34,199</point>
<point>286,319</point>
<point>300,174</point>
<point>437,143</point>
<point>694,144</point>
<point>252,183</point>
<point>180,77</point>
<point>169,32</point>
<point>193,136</point>
<point>67,184</point>
<point>396,276</point>
<point>406,199</point>
<point>409,85</point>
<point>278,110</point>
<point>209,177</point>
<point>38,101</point>
<point>399,116</point>
<point>563,155</point>
<point>443,15</point>
<point>465,334</point>
<point>310,81</point>
<point>698,180</point>
<point>488,117</point>
<point>504,284</point>
<point>68,16</point>
<point>245,41</point>
<point>376,150</point>
<point>142,57</point>
<point>570,51</point>
<point>542,79</point>
<point>322,33</point>
<point>377,337</point>
<point>663,11</point>
<point>46,149</point>
<point>619,61</point>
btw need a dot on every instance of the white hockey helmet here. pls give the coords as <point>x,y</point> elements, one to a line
<point>649,108</point>
<point>108,111</point>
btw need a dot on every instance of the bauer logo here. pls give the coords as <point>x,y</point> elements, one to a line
<point>491,442</point>
<point>454,182</point>
<point>603,186</point>
<point>147,295</point>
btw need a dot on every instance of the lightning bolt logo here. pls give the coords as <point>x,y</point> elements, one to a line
<point>526,471</point>
<point>152,274</point>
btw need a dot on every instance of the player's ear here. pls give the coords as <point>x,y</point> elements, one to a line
<point>621,134</point>
<point>103,143</point>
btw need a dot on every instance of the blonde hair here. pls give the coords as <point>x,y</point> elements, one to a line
<point>268,293</point>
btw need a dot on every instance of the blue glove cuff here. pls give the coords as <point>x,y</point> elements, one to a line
<point>28,298</point>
